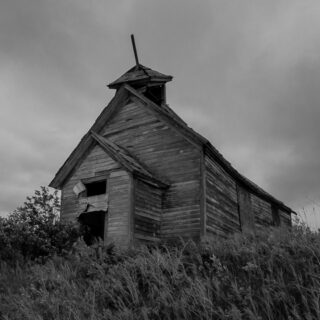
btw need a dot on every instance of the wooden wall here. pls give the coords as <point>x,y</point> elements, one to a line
<point>246,213</point>
<point>147,212</point>
<point>285,218</point>
<point>171,157</point>
<point>119,211</point>
<point>95,163</point>
<point>135,206</point>
<point>262,212</point>
<point>230,207</point>
<point>222,215</point>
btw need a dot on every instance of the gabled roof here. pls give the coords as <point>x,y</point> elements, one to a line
<point>165,113</point>
<point>140,74</point>
<point>127,160</point>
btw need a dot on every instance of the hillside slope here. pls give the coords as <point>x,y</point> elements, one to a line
<point>273,275</point>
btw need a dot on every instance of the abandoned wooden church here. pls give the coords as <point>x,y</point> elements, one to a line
<point>140,174</point>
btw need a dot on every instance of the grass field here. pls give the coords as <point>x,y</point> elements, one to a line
<point>272,275</point>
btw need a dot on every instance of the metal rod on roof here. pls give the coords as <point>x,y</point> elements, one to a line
<point>135,50</point>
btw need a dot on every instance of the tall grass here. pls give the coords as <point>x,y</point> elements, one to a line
<point>274,274</point>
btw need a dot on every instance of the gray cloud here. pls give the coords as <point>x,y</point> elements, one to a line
<point>246,76</point>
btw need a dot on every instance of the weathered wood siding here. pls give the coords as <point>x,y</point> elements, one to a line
<point>285,218</point>
<point>275,215</point>
<point>147,212</point>
<point>119,211</point>
<point>94,164</point>
<point>245,209</point>
<point>222,215</point>
<point>262,212</point>
<point>169,156</point>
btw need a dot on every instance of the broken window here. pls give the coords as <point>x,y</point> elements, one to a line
<point>96,188</point>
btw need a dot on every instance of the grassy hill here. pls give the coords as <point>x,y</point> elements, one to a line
<point>272,275</point>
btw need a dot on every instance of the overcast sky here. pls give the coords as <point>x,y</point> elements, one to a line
<point>246,76</point>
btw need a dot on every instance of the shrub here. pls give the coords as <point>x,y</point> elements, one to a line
<point>33,231</point>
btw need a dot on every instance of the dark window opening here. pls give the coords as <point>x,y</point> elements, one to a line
<point>156,94</point>
<point>92,226</point>
<point>96,188</point>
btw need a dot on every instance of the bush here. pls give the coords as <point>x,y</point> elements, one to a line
<point>33,231</point>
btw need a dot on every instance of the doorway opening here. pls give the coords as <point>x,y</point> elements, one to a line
<point>92,225</point>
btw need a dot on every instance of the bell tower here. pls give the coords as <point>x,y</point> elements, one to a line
<point>149,82</point>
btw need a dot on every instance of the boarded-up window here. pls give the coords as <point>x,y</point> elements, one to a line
<point>245,209</point>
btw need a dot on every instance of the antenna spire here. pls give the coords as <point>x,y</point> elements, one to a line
<point>135,50</point>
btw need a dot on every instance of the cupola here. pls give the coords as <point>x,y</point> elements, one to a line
<point>150,82</point>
